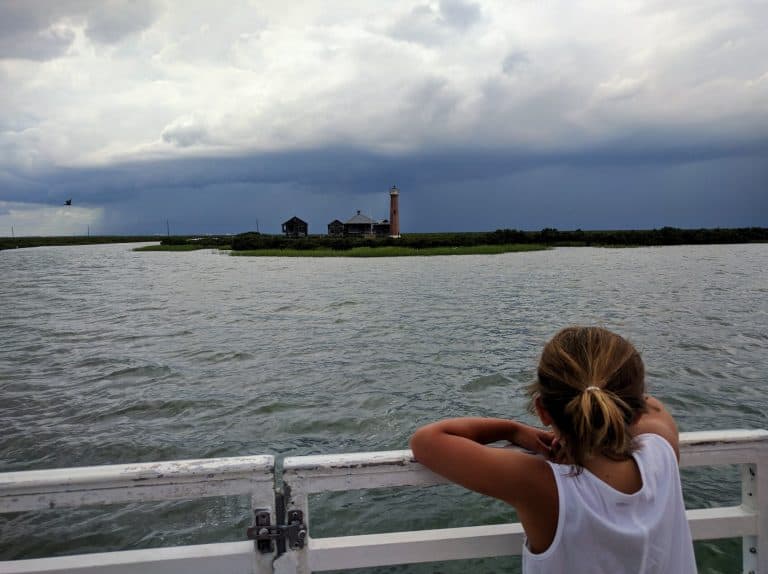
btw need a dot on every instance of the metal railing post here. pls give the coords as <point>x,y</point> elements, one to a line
<point>754,495</point>
<point>749,501</point>
<point>762,514</point>
<point>295,560</point>
<point>261,500</point>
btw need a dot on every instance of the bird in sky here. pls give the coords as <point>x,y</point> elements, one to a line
<point>68,202</point>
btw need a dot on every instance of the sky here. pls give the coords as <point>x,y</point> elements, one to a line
<point>231,116</point>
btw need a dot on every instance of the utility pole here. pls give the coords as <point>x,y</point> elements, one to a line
<point>257,225</point>
<point>168,227</point>
<point>13,235</point>
<point>89,230</point>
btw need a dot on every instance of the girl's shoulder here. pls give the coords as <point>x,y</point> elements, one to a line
<point>658,421</point>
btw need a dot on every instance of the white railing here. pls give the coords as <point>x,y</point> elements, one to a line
<point>307,475</point>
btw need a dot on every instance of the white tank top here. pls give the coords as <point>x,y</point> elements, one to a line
<point>603,531</point>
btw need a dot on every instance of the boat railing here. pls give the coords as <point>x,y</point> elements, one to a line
<point>281,540</point>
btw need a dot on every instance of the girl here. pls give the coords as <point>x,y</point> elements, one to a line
<point>605,497</point>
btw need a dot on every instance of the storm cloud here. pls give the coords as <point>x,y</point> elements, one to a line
<point>485,114</point>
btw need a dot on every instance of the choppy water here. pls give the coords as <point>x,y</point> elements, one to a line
<point>111,356</point>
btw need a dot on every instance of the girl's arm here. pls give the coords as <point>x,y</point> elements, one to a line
<point>455,449</point>
<point>657,420</point>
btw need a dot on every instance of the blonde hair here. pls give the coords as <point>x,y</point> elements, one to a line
<point>592,383</point>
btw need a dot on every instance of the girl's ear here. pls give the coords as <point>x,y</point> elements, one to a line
<point>544,416</point>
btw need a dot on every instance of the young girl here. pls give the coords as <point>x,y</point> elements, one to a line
<point>605,497</point>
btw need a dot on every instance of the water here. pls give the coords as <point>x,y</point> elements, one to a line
<point>111,356</point>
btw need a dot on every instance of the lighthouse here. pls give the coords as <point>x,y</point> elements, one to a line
<point>394,212</point>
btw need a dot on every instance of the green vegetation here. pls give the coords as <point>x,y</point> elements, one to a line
<point>549,237</point>
<point>479,242</point>
<point>392,251</point>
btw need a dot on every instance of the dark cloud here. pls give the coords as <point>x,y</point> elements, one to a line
<point>45,29</point>
<point>639,182</point>
<point>39,45</point>
<point>562,196</point>
<point>27,31</point>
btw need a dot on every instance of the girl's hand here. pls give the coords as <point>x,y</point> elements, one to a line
<point>457,450</point>
<point>535,440</point>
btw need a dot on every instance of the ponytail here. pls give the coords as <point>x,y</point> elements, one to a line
<point>600,424</point>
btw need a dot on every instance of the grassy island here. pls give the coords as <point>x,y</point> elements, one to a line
<point>392,251</point>
<point>499,241</point>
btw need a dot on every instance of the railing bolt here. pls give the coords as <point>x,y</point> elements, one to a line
<point>753,550</point>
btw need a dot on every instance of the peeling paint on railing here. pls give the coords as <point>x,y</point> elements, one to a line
<point>306,475</point>
<point>39,489</point>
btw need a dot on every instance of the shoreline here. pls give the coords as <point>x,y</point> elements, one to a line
<point>383,251</point>
<point>447,243</point>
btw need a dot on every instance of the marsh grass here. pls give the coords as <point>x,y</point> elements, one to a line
<point>392,251</point>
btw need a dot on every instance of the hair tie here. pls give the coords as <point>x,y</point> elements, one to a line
<point>592,388</point>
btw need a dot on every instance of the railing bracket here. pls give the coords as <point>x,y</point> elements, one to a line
<point>293,531</point>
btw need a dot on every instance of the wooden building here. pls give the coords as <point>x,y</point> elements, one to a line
<point>358,225</point>
<point>336,228</point>
<point>361,225</point>
<point>295,227</point>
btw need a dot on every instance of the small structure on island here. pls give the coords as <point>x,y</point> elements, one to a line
<point>336,228</point>
<point>295,227</point>
<point>360,225</point>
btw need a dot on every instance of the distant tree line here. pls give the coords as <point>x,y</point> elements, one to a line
<point>547,236</point>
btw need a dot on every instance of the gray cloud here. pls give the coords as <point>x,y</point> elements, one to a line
<point>431,103</point>
<point>458,14</point>
<point>45,29</point>
<point>27,30</point>
<point>428,25</point>
<point>320,169</point>
<point>495,100</point>
<point>185,132</point>
<point>650,180</point>
<point>111,21</point>
<point>514,61</point>
<point>38,45</point>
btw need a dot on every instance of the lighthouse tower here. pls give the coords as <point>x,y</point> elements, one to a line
<point>394,212</point>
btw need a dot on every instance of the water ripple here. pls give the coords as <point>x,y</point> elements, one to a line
<point>110,356</point>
